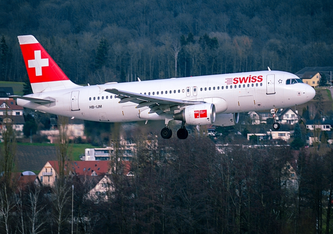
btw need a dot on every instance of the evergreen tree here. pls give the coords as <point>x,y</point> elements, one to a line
<point>298,141</point>
<point>102,54</point>
<point>3,58</point>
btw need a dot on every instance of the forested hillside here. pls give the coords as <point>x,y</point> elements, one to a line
<point>98,41</point>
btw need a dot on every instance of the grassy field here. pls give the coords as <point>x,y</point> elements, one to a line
<point>32,157</point>
<point>17,86</point>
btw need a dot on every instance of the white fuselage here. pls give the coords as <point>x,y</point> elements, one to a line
<point>241,92</point>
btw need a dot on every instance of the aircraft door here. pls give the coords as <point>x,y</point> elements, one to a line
<point>270,84</point>
<point>75,101</point>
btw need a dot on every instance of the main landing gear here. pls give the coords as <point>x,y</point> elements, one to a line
<point>182,133</point>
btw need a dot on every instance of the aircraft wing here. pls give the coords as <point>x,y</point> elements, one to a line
<point>41,101</point>
<point>155,103</point>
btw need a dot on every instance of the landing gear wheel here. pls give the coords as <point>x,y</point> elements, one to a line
<point>276,126</point>
<point>166,133</point>
<point>182,133</point>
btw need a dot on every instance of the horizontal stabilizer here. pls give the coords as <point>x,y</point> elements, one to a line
<point>41,101</point>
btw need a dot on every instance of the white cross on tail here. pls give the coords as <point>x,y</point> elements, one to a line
<point>38,63</point>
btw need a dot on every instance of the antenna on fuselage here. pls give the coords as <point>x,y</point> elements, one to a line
<point>139,79</point>
<point>269,69</point>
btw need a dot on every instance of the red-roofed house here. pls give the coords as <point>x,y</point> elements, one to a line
<point>50,172</point>
<point>23,181</point>
<point>104,188</point>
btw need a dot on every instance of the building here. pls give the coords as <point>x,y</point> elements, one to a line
<point>285,116</point>
<point>288,116</point>
<point>74,130</point>
<point>307,72</point>
<point>50,172</point>
<point>311,78</point>
<point>126,149</point>
<point>103,188</point>
<point>11,113</point>
<point>273,135</point>
<point>323,125</point>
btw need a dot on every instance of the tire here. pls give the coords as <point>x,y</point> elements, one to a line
<point>166,133</point>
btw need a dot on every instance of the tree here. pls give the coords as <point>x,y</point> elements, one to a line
<point>30,126</point>
<point>8,151</point>
<point>298,141</point>
<point>102,54</point>
<point>323,80</point>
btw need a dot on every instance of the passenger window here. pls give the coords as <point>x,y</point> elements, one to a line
<point>153,93</point>
<point>260,84</point>
<point>239,86</point>
<point>231,86</point>
<point>161,92</point>
<point>178,90</point>
<point>248,85</point>
<point>257,84</point>
<point>170,91</point>
<point>222,87</point>
<point>89,98</point>
<point>148,93</point>
<point>174,91</point>
<point>111,97</point>
<point>252,85</point>
<point>243,85</point>
<point>235,86</point>
<point>209,88</point>
<point>226,87</point>
<point>214,88</point>
<point>218,87</point>
<point>205,88</point>
<point>102,97</point>
<point>98,98</point>
<point>200,89</point>
<point>106,97</point>
<point>157,93</point>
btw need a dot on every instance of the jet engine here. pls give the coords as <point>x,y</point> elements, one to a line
<point>201,114</point>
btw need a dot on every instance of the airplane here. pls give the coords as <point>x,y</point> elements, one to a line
<point>201,100</point>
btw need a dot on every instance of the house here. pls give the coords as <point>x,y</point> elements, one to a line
<point>11,113</point>
<point>50,172</point>
<point>104,187</point>
<point>273,135</point>
<point>127,150</point>
<point>311,78</point>
<point>322,125</point>
<point>288,116</point>
<point>74,130</point>
<point>23,180</point>
<point>310,72</point>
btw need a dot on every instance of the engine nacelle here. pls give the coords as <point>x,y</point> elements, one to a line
<point>225,119</point>
<point>201,114</point>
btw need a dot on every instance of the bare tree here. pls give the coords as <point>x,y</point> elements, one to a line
<point>62,197</point>
<point>7,205</point>
<point>8,152</point>
<point>35,214</point>
<point>63,151</point>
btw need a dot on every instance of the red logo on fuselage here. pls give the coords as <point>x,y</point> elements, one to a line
<point>248,79</point>
<point>200,114</point>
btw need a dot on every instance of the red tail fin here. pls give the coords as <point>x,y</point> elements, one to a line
<point>43,72</point>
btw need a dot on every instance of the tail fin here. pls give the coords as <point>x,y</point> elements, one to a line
<point>44,74</point>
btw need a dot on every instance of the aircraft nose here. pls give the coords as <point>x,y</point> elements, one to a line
<point>310,93</point>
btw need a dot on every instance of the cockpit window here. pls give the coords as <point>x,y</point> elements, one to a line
<point>293,81</point>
